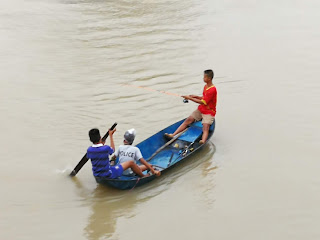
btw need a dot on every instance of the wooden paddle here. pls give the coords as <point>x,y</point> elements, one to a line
<point>167,143</point>
<point>85,159</point>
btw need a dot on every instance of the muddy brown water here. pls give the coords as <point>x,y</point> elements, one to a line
<point>65,68</point>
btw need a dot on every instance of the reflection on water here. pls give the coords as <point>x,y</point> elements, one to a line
<point>108,204</point>
<point>208,170</point>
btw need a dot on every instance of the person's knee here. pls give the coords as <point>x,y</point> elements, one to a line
<point>189,120</point>
<point>127,164</point>
<point>131,163</point>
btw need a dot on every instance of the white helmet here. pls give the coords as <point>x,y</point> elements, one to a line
<point>130,135</point>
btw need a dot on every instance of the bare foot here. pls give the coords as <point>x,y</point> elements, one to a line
<point>168,135</point>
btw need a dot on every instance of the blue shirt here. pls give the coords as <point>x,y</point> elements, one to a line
<point>99,156</point>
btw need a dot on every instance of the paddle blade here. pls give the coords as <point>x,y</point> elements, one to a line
<point>79,165</point>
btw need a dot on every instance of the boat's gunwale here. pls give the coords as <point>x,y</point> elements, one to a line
<point>134,181</point>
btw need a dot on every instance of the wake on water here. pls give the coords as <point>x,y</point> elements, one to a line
<point>66,171</point>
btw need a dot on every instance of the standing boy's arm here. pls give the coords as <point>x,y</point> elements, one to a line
<point>195,96</point>
<point>196,100</point>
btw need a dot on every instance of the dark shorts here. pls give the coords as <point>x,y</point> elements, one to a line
<point>116,171</point>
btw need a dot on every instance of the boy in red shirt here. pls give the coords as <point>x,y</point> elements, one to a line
<point>206,109</point>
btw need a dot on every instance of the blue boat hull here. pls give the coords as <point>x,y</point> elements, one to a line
<point>176,152</point>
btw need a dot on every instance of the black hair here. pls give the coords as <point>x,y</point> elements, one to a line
<point>94,135</point>
<point>209,73</point>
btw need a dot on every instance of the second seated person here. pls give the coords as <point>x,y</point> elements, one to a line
<point>127,152</point>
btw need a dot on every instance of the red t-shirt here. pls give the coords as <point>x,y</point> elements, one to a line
<point>209,100</point>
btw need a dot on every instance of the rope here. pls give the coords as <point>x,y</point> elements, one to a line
<point>135,184</point>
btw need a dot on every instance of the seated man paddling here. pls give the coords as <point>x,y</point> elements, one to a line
<point>127,152</point>
<point>99,155</point>
<point>206,109</point>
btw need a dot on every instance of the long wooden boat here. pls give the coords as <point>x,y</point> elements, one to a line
<point>178,150</point>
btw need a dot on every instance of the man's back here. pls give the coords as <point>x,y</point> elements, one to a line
<point>99,156</point>
<point>128,153</point>
<point>210,101</point>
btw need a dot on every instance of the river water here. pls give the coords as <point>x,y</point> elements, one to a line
<point>67,66</point>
